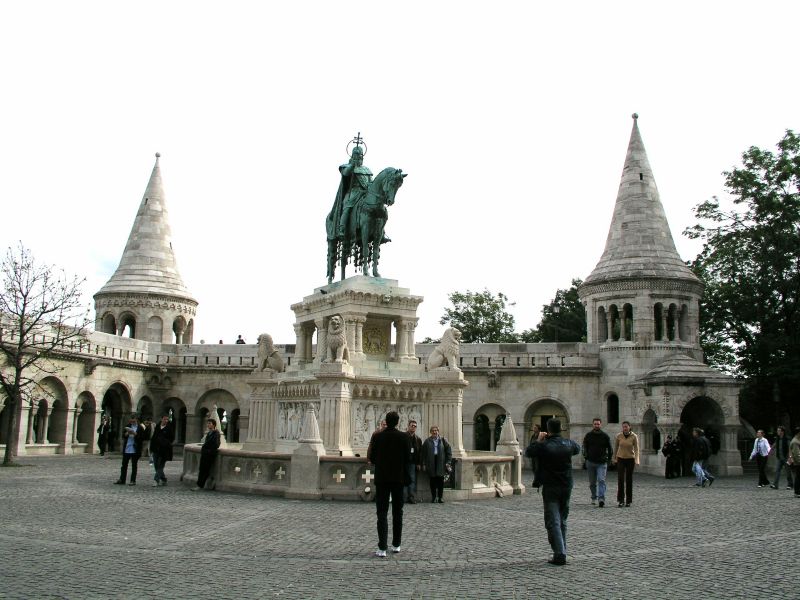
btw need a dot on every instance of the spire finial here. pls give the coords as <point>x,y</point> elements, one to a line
<point>635,116</point>
<point>158,154</point>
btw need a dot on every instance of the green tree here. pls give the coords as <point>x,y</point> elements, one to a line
<point>40,313</point>
<point>750,262</point>
<point>480,316</point>
<point>563,320</point>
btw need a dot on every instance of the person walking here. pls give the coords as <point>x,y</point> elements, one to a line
<point>535,431</point>
<point>161,449</point>
<point>597,452</point>
<point>102,434</point>
<point>391,454</point>
<point>626,457</point>
<point>760,452</point>
<point>208,454</point>
<point>671,451</point>
<point>781,447</point>
<point>554,454</point>
<point>410,490</point>
<point>132,438</point>
<point>436,457</point>
<point>701,451</point>
<point>794,461</point>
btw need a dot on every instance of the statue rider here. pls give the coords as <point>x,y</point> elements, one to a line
<point>355,181</point>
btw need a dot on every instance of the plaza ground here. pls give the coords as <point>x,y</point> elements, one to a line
<point>69,533</point>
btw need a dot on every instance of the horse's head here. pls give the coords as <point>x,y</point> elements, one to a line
<point>392,181</point>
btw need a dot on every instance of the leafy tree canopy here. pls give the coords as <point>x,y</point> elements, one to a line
<point>563,320</point>
<point>750,262</point>
<point>480,316</point>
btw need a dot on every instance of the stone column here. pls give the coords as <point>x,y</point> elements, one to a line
<point>446,411</point>
<point>44,424</point>
<point>75,417</point>
<point>492,427</point>
<point>322,340</point>
<point>401,342</point>
<point>30,413</point>
<point>335,408</point>
<point>411,348</point>
<point>350,331</point>
<point>664,314</point>
<point>178,334</point>
<point>309,335</point>
<point>300,341</point>
<point>358,322</point>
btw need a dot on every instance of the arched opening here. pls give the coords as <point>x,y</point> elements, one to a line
<point>541,411</point>
<point>482,441</point>
<point>54,425</point>
<point>116,405</point>
<point>705,413</point>
<point>491,412</point>
<point>499,421</point>
<point>176,410</point>
<point>223,402</point>
<point>39,426</point>
<point>178,329</point>
<point>602,325</point>
<point>649,420</point>
<point>658,321</point>
<point>57,423</point>
<point>672,322</point>
<point>84,429</point>
<point>188,336</point>
<point>627,322</point>
<point>233,426</point>
<point>127,325</point>
<point>616,327</point>
<point>612,408</point>
<point>683,323</point>
<point>155,329</point>
<point>109,324</point>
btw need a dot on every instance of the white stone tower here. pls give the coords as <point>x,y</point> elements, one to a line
<point>641,293</point>
<point>146,295</point>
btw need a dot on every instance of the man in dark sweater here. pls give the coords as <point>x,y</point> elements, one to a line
<point>391,454</point>
<point>555,471</point>
<point>597,452</point>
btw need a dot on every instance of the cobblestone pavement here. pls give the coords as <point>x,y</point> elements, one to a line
<point>69,533</point>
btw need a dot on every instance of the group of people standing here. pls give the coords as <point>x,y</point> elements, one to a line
<point>398,457</point>
<point>156,440</point>
<point>787,456</point>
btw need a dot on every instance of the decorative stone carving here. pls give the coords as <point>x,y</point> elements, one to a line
<point>290,418</point>
<point>492,379</point>
<point>337,341</point>
<point>268,356</point>
<point>446,353</point>
<point>368,415</point>
<point>375,341</point>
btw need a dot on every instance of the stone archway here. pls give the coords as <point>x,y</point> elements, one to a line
<point>486,421</point>
<point>225,403</point>
<point>176,410</point>
<point>117,405</point>
<point>86,415</point>
<point>543,409</point>
<point>706,413</point>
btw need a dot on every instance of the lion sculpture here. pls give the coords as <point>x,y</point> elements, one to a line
<point>337,341</point>
<point>446,353</point>
<point>268,356</point>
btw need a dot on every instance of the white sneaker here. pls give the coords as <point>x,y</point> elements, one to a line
<point>380,553</point>
<point>155,484</point>
<point>396,549</point>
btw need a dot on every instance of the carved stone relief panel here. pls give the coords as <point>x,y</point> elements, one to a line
<point>290,419</point>
<point>367,416</point>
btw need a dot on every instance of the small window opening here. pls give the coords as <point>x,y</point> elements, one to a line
<point>641,176</point>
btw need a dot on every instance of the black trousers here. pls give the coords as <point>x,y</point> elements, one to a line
<point>761,461</point>
<point>134,460</point>
<point>437,486</point>
<point>382,493</point>
<point>625,479</point>
<point>206,462</point>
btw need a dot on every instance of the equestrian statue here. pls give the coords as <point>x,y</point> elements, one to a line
<point>356,221</point>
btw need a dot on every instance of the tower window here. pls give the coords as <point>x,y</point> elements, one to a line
<point>641,176</point>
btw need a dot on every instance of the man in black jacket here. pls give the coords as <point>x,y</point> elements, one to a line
<point>597,452</point>
<point>701,451</point>
<point>132,438</point>
<point>161,449</point>
<point>391,454</point>
<point>208,454</point>
<point>555,471</point>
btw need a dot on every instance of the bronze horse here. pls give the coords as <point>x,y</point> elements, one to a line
<point>363,233</point>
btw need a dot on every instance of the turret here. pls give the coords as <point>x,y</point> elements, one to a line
<point>146,298</point>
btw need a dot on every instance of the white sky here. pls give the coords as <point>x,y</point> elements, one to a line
<point>511,118</point>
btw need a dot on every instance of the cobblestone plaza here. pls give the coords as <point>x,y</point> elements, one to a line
<point>69,533</point>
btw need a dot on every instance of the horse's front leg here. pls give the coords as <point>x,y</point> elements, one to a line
<point>367,249</point>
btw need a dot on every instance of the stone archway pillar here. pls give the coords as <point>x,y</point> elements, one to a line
<point>468,429</point>
<point>28,415</point>
<point>492,428</point>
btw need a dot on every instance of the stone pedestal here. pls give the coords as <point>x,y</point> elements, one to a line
<point>305,461</point>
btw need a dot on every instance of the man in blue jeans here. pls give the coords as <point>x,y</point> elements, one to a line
<point>555,470</point>
<point>597,452</point>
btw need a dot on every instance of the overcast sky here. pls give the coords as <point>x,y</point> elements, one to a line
<point>511,118</point>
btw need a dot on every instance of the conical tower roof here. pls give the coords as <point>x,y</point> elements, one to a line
<point>639,243</point>
<point>148,263</point>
